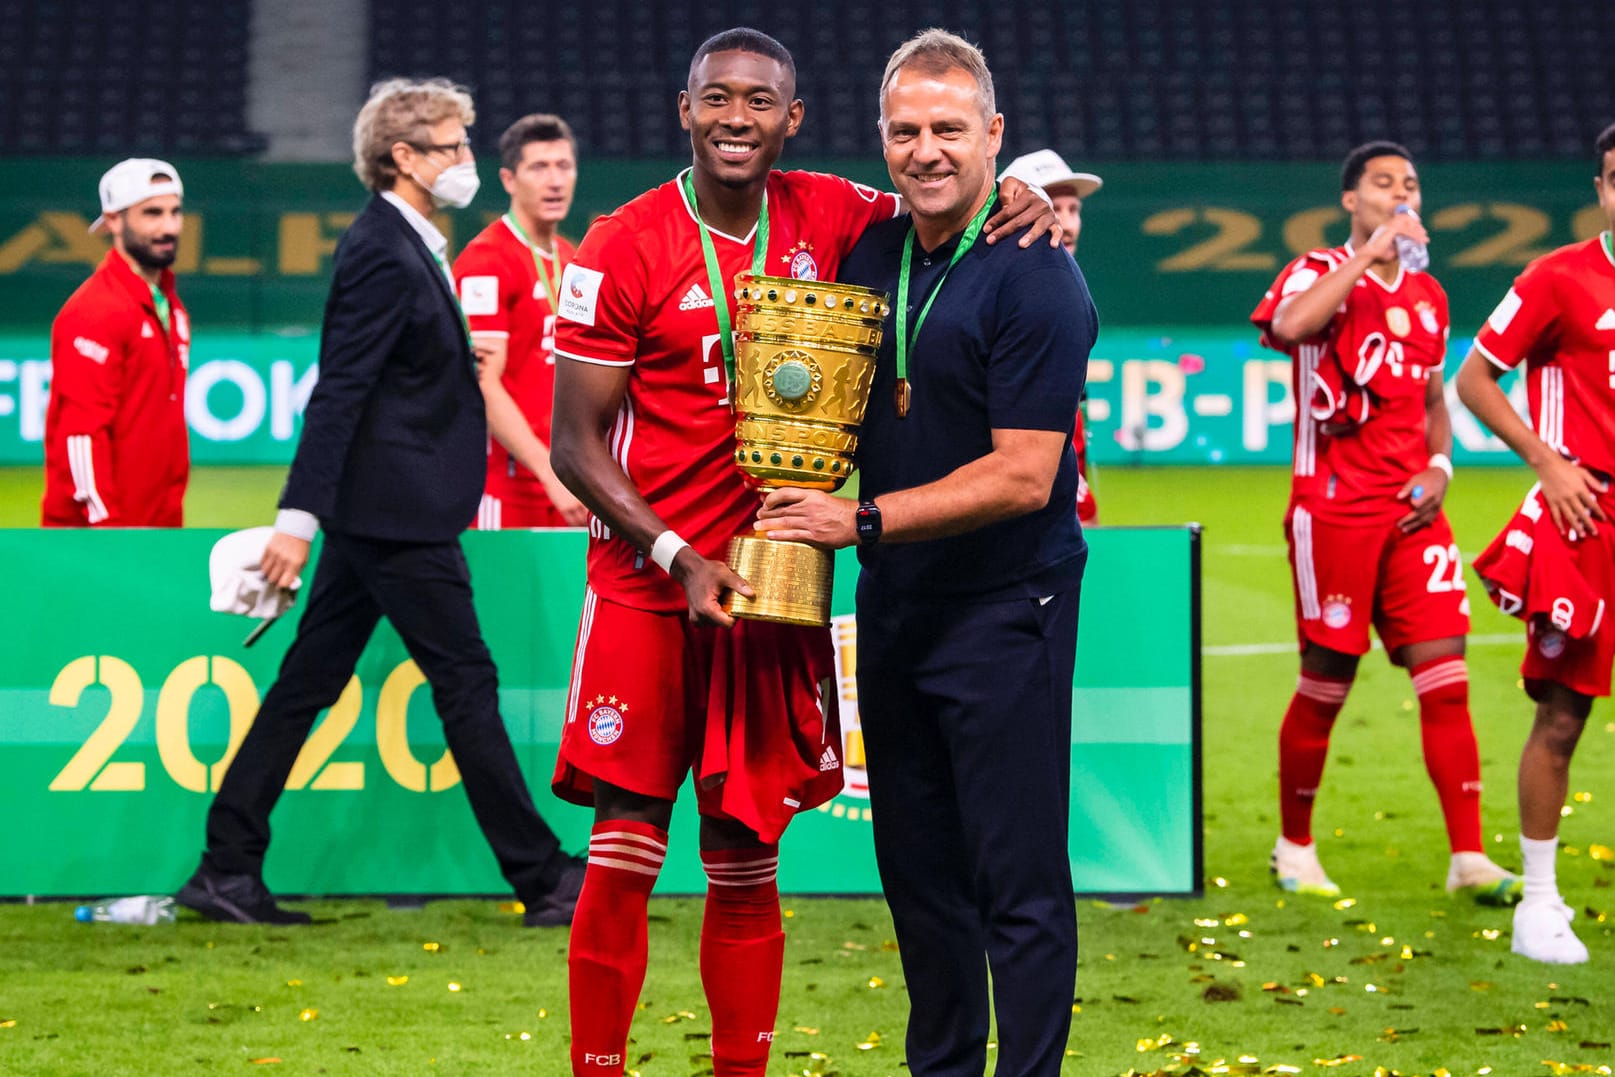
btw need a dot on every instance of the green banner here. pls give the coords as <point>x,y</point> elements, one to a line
<point>1162,244</point>
<point>1155,395</point>
<point>122,696</point>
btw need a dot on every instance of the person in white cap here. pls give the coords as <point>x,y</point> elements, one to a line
<point>1066,190</point>
<point>117,453</point>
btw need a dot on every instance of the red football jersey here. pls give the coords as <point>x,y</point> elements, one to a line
<point>638,296</point>
<point>1559,319</point>
<point>500,292</point>
<point>1385,338</point>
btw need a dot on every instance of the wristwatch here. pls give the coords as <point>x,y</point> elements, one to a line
<point>868,521</point>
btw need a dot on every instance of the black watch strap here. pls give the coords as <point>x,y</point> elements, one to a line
<point>868,521</point>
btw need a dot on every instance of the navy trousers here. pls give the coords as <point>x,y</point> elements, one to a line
<point>966,714</point>
<point>424,589</point>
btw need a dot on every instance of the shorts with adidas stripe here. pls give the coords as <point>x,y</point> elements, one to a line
<point>1410,587</point>
<point>654,697</point>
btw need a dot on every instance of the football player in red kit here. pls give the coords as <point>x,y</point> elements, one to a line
<point>507,278</point>
<point>1554,565</point>
<point>644,433</point>
<point>1369,544</point>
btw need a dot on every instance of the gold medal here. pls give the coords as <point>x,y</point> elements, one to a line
<point>900,397</point>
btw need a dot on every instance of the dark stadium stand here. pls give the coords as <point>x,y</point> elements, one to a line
<point>1104,80</point>
<point>153,76</point>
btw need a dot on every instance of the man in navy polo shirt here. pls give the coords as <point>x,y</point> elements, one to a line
<point>972,567</point>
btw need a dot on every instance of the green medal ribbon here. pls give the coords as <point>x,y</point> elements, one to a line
<point>551,286</point>
<point>720,291</point>
<point>164,309</point>
<point>905,339</point>
<point>466,325</point>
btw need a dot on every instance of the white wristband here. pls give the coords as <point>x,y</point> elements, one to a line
<point>1443,461</point>
<point>665,548</point>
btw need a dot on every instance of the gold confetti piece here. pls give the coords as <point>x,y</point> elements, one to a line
<point>397,981</point>
<point>453,986</point>
<point>1583,798</point>
<point>849,945</point>
<point>1557,1025</point>
<point>1570,850</point>
<point>294,983</point>
<point>1338,1060</point>
<point>1481,985</point>
<point>432,947</point>
<point>1282,1068</point>
<point>1329,944</point>
<point>308,1015</point>
<point>1207,922</point>
<point>1567,811</point>
<point>1601,852</point>
<point>1235,920</point>
<point>875,982</point>
<point>1222,883</point>
<point>789,914</point>
<point>543,1013</point>
<point>870,1042</point>
<point>889,946</point>
<point>1338,1011</point>
<point>11,1023</point>
<point>265,1061</point>
<point>512,907</point>
<point>1345,903</point>
<point>805,1030</point>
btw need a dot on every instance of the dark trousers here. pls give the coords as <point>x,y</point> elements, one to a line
<point>966,714</point>
<point>425,591</point>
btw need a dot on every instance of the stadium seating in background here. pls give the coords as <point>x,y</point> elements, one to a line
<point>1104,79</point>
<point>152,76</point>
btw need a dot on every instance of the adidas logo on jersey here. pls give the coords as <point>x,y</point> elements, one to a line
<point>829,761</point>
<point>1606,320</point>
<point>695,299</point>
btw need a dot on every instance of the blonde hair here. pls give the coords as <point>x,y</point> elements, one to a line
<point>936,52</point>
<point>401,110</point>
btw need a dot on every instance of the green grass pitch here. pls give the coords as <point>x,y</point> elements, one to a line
<point>1400,980</point>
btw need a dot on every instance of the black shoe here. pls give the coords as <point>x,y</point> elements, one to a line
<point>555,908</point>
<point>235,899</point>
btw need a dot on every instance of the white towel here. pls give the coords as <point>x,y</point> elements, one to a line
<point>238,584</point>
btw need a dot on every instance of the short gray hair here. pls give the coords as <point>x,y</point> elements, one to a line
<point>936,52</point>
<point>401,110</point>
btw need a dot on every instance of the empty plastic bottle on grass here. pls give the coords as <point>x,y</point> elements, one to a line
<point>1414,255</point>
<point>144,909</point>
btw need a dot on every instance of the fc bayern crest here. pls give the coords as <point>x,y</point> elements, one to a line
<point>1336,612</point>
<point>1551,644</point>
<point>606,720</point>
<point>801,261</point>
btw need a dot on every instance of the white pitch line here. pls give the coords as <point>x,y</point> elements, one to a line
<point>1239,650</point>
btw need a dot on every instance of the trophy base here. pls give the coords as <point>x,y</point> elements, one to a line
<point>791,580</point>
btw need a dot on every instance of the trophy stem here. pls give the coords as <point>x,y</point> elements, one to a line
<point>791,581</point>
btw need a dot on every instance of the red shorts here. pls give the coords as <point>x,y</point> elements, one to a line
<point>1581,665</point>
<point>506,509</point>
<point>1409,586</point>
<point>654,697</point>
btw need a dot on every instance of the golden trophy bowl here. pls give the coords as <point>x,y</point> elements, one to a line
<point>804,363</point>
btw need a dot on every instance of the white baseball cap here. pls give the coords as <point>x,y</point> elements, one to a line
<point>130,182</point>
<point>1046,169</point>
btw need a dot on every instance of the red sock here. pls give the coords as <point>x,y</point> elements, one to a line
<point>1450,754</point>
<point>607,957</point>
<point>742,957</point>
<point>1303,747</point>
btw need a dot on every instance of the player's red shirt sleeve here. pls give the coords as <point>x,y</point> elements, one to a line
<point>852,207</point>
<point>603,296</point>
<point>1521,320</point>
<point>1296,277</point>
<point>486,289</point>
<point>87,361</point>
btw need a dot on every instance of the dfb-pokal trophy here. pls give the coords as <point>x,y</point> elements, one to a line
<point>804,363</point>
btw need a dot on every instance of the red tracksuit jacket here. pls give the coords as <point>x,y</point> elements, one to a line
<point>117,453</point>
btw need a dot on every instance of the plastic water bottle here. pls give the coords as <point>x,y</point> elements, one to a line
<point>144,909</point>
<point>1414,255</point>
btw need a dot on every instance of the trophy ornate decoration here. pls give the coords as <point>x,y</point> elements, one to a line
<point>804,363</point>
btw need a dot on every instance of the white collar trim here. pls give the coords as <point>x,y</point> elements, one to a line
<point>679,181</point>
<point>1401,272</point>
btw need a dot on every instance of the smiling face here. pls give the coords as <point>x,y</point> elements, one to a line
<point>739,109</point>
<point>544,179</point>
<point>148,232</point>
<point>1387,182</point>
<point>939,146</point>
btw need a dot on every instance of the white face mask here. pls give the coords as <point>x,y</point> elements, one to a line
<point>456,185</point>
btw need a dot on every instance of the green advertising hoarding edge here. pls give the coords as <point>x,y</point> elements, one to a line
<point>121,694</point>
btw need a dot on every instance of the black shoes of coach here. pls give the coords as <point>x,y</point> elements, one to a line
<point>235,899</point>
<point>555,908</point>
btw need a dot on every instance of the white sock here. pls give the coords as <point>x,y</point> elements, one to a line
<point>1539,855</point>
